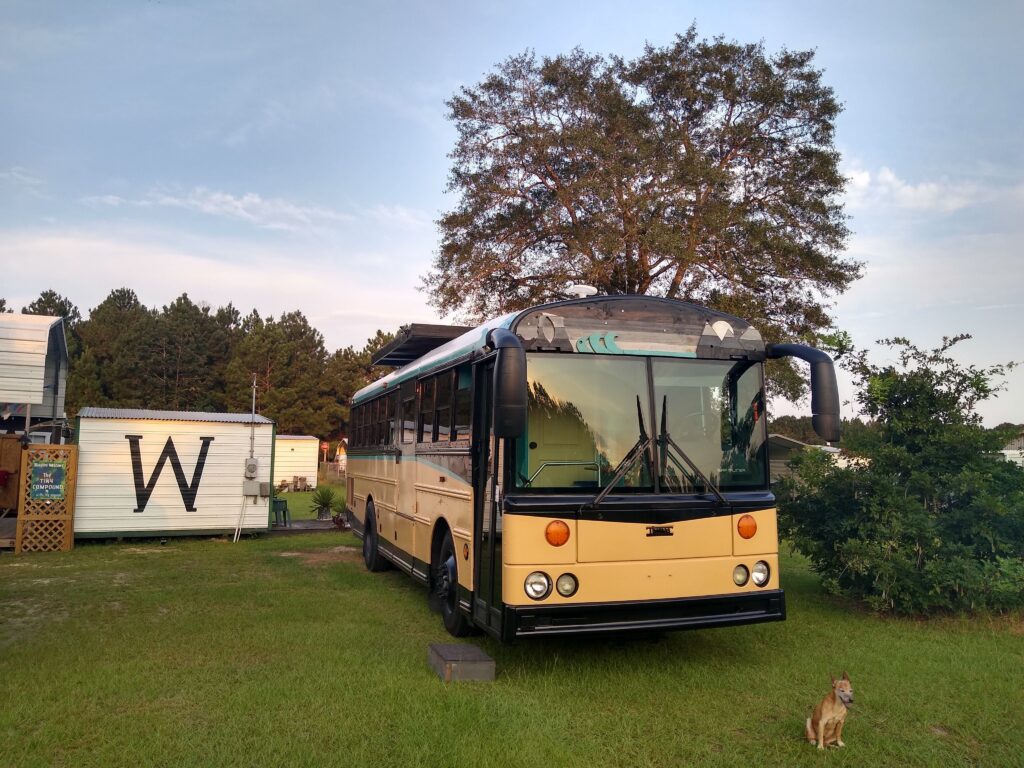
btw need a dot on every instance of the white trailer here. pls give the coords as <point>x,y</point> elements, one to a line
<point>160,473</point>
<point>296,456</point>
<point>33,371</point>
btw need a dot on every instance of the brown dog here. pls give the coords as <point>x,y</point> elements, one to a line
<point>825,726</point>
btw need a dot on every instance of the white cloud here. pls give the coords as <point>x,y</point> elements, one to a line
<point>113,201</point>
<point>884,189</point>
<point>265,213</point>
<point>399,216</point>
<point>339,295</point>
<point>283,215</point>
<point>22,181</point>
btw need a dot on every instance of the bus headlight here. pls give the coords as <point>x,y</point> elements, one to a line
<point>740,574</point>
<point>761,573</point>
<point>566,585</point>
<point>537,585</point>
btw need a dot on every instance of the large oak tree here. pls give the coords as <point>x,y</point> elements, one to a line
<point>704,170</point>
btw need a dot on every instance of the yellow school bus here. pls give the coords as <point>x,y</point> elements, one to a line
<point>591,465</point>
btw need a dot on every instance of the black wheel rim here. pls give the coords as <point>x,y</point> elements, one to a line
<point>368,534</point>
<point>447,578</point>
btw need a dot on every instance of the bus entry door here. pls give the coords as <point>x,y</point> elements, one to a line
<point>487,506</point>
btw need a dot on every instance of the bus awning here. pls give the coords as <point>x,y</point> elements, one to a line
<point>415,340</point>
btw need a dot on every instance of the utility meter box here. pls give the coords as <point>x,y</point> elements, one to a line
<point>252,468</point>
<point>255,488</point>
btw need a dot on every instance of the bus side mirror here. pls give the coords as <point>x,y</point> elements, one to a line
<point>509,384</point>
<point>825,401</point>
<point>824,389</point>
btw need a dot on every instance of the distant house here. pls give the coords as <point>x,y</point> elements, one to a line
<point>296,456</point>
<point>781,449</point>
<point>1014,450</point>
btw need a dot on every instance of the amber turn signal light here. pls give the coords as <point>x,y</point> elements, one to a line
<point>557,533</point>
<point>746,526</point>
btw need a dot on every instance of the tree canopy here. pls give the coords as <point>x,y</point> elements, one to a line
<point>188,356</point>
<point>704,170</point>
<point>53,304</point>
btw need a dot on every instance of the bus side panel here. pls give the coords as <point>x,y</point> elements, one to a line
<point>374,476</point>
<point>443,493</point>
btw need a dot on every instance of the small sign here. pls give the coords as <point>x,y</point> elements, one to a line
<point>325,446</point>
<point>47,480</point>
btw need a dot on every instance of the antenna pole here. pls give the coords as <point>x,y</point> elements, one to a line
<point>252,423</point>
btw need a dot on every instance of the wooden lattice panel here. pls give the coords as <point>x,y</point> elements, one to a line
<point>46,525</point>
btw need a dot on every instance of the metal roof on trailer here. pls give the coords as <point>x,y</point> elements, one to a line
<point>144,414</point>
<point>298,437</point>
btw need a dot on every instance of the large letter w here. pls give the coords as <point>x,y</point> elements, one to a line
<point>188,491</point>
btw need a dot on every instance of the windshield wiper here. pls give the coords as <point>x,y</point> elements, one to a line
<point>665,441</point>
<point>641,448</point>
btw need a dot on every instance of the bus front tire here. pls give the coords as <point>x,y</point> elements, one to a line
<point>446,589</point>
<point>375,562</point>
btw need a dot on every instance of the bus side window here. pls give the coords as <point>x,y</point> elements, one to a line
<point>443,417</point>
<point>392,418</point>
<point>426,427</point>
<point>464,377</point>
<point>407,424</point>
<point>408,420</point>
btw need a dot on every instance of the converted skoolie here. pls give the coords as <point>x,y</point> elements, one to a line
<point>164,473</point>
<point>592,465</point>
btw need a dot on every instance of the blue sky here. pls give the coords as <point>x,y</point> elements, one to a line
<point>286,155</point>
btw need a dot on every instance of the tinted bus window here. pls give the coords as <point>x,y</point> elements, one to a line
<point>460,430</point>
<point>443,418</point>
<point>426,430</point>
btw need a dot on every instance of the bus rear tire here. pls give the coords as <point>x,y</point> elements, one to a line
<point>446,589</point>
<point>374,560</point>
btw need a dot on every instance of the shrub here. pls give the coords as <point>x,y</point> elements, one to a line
<point>930,519</point>
<point>324,502</point>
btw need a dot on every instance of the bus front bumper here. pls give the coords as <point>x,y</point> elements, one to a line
<point>644,616</point>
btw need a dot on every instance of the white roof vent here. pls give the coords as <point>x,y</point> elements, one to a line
<point>579,291</point>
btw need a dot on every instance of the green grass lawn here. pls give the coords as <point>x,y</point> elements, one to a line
<point>299,503</point>
<point>285,651</point>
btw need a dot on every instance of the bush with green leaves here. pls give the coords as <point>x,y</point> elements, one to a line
<point>927,517</point>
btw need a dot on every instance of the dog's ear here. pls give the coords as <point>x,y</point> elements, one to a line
<point>846,677</point>
<point>833,679</point>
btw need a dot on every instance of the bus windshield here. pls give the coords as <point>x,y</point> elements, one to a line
<point>588,413</point>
